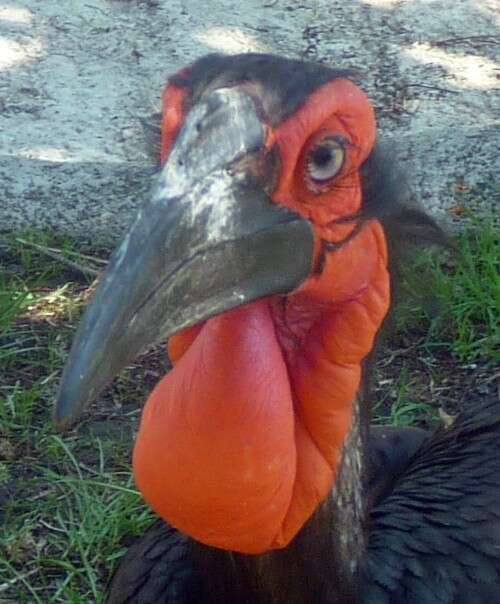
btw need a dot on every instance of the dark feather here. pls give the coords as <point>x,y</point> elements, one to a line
<point>157,569</point>
<point>441,519</point>
<point>280,91</point>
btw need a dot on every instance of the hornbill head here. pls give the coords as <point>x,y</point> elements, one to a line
<point>255,256</point>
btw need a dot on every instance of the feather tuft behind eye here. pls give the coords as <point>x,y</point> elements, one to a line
<point>326,160</point>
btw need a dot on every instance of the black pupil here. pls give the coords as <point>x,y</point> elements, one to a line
<point>322,156</point>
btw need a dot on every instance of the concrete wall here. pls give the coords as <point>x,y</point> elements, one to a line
<point>77,77</point>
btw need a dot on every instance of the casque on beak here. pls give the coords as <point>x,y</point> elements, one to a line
<point>209,240</point>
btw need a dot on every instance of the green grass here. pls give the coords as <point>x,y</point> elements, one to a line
<point>71,531</point>
<point>450,314</point>
<point>13,298</point>
<point>399,405</point>
<point>462,312</point>
<point>67,503</point>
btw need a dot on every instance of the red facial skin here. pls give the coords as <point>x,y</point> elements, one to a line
<point>241,441</point>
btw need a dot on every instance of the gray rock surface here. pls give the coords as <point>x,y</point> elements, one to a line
<point>77,78</point>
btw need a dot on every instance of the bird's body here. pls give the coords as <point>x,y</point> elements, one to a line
<point>265,256</point>
<point>432,535</point>
<point>436,536</point>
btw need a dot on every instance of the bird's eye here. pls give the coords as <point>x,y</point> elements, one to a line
<point>326,160</point>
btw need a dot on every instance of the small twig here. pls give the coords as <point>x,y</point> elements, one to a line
<point>492,378</point>
<point>397,353</point>
<point>486,39</point>
<point>87,257</point>
<point>97,8</point>
<point>8,584</point>
<point>131,413</point>
<point>89,469</point>
<point>51,528</point>
<point>438,88</point>
<point>86,270</point>
<point>78,255</point>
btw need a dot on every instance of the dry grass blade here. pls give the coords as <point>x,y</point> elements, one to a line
<point>57,255</point>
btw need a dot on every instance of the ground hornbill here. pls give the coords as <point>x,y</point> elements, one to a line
<point>263,257</point>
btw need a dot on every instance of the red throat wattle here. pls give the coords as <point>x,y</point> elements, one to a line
<point>241,441</point>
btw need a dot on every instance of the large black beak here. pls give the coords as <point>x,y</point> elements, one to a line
<point>209,240</point>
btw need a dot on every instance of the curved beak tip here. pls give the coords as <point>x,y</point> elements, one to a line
<point>70,402</point>
<point>61,425</point>
<point>63,421</point>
